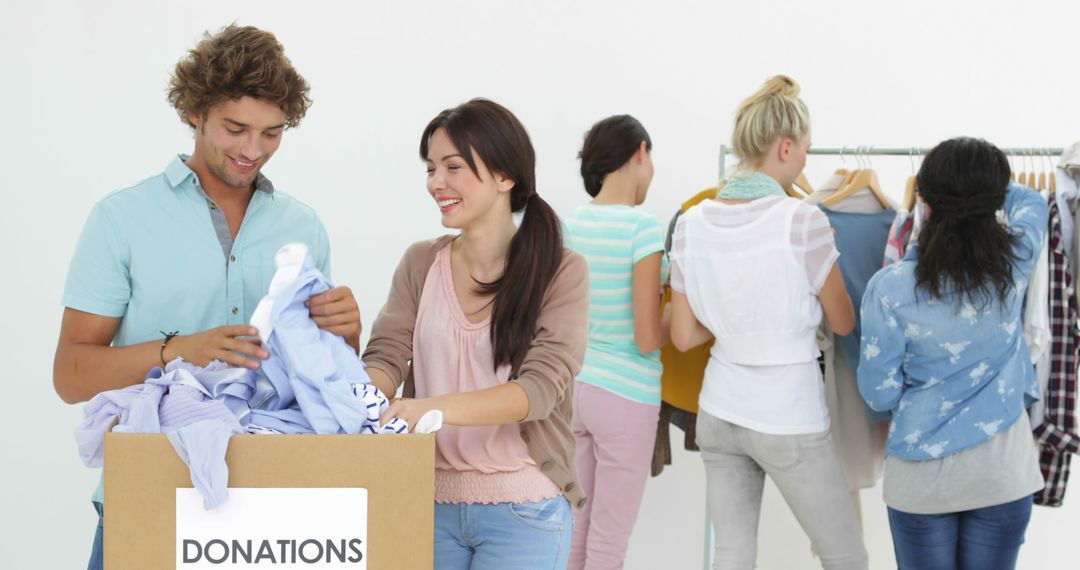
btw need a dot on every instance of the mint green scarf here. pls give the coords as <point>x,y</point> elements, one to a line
<point>751,185</point>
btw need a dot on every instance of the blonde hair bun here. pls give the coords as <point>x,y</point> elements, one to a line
<point>774,111</point>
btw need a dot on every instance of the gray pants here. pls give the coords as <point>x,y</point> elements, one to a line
<point>807,472</point>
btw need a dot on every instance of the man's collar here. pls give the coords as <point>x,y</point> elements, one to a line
<point>178,172</point>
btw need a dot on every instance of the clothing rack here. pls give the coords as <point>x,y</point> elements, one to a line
<point>856,152</point>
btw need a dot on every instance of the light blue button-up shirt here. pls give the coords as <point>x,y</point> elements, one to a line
<point>150,255</point>
<point>953,373</point>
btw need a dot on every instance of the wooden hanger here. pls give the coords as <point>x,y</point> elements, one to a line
<point>1053,175</point>
<point>909,194</point>
<point>801,188</point>
<point>1029,178</point>
<point>865,178</point>
<point>804,184</point>
<point>848,176</point>
<point>1047,174</point>
<point>845,175</point>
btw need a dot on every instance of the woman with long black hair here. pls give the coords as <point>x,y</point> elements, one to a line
<point>943,349</point>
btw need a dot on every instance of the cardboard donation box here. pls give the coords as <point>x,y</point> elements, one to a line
<point>318,502</point>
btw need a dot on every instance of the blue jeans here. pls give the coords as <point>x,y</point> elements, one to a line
<point>523,536</point>
<point>982,539</point>
<point>97,554</point>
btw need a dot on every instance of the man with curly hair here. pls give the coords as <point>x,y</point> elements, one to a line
<point>175,265</point>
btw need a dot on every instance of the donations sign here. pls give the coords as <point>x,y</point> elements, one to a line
<point>310,528</point>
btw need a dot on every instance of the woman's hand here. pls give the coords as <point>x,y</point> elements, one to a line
<point>409,410</point>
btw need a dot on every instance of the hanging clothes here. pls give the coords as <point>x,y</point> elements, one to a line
<point>861,202</point>
<point>860,237</point>
<point>1036,320</point>
<point>918,217</point>
<point>683,373</point>
<point>1057,433</point>
<point>862,231</point>
<point>1066,198</point>
<point>1037,331</point>
<point>1037,306</point>
<point>1067,177</point>
<point>899,233</point>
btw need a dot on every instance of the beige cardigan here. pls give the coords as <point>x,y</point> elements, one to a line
<point>546,375</point>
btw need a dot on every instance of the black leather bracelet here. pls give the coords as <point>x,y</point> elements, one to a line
<point>168,336</point>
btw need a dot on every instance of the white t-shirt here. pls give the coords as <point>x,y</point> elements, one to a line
<point>787,397</point>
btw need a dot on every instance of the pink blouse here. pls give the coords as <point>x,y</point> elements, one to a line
<point>474,464</point>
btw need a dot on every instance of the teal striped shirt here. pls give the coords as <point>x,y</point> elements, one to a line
<point>613,238</point>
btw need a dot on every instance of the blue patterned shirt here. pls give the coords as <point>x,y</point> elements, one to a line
<point>953,373</point>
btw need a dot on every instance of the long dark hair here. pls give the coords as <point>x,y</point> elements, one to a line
<point>963,249</point>
<point>486,129</point>
<point>609,144</point>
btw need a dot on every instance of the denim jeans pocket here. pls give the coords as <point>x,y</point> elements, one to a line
<point>550,515</point>
<point>777,452</point>
<point>703,431</point>
<point>713,434</point>
<point>813,442</point>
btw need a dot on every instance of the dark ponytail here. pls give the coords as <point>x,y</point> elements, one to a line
<point>486,129</point>
<point>963,249</point>
<point>609,144</point>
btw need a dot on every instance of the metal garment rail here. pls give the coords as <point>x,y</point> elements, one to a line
<point>1031,152</point>
<point>855,152</point>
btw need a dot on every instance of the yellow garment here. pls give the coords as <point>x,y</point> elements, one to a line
<point>684,372</point>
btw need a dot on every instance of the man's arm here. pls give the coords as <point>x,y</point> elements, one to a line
<point>86,365</point>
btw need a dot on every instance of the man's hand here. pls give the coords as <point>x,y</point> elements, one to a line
<point>337,312</point>
<point>232,344</point>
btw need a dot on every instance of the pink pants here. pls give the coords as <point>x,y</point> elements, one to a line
<point>615,438</point>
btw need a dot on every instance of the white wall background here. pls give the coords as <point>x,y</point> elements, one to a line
<point>82,96</point>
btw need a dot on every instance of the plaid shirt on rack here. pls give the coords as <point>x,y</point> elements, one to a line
<point>1057,434</point>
